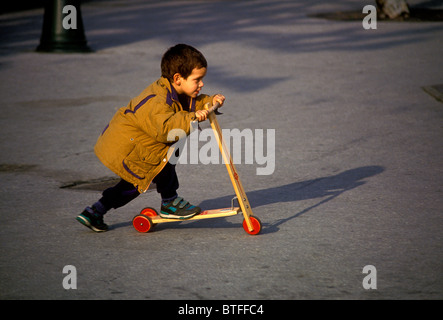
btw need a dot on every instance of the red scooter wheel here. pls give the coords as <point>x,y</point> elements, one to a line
<point>142,223</point>
<point>256,224</point>
<point>150,212</point>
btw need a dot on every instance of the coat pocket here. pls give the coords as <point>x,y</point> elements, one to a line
<point>139,162</point>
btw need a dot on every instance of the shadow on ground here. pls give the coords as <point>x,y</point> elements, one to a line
<point>257,24</point>
<point>325,189</point>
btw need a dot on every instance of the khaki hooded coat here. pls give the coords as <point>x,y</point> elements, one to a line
<point>134,145</point>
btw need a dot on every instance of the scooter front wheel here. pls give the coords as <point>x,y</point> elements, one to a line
<point>256,224</point>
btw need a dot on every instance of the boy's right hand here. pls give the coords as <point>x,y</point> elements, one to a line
<point>202,115</point>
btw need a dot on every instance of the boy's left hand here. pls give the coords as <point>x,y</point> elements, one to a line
<point>218,98</point>
<point>202,115</point>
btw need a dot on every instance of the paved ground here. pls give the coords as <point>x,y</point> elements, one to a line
<point>358,155</point>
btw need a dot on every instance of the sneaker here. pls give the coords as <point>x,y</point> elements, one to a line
<point>92,219</point>
<point>178,208</point>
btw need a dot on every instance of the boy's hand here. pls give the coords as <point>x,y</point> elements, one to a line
<point>218,98</point>
<point>201,115</point>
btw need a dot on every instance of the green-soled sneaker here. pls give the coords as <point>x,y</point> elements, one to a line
<point>92,220</point>
<point>178,208</point>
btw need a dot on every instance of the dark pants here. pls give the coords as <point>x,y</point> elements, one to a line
<point>124,192</point>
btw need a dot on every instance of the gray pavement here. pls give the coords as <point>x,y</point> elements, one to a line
<point>358,155</point>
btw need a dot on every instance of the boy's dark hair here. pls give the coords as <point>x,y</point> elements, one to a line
<point>181,59</point>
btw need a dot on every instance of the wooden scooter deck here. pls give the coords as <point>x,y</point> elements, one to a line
<point>207,214</point>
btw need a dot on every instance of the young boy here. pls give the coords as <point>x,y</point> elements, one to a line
<point>135,143</point>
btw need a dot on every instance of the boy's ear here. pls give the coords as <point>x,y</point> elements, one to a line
<point>177,79</point>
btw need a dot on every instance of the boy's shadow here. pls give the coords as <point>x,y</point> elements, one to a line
<point>329,187</point>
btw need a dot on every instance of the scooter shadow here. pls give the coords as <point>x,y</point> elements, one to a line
<point>325,188</point>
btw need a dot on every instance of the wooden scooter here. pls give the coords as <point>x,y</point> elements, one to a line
<point>149,217</point>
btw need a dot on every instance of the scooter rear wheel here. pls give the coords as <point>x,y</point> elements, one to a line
<point>142,223</point>
<point>256,224</point>
<point>150,212</point>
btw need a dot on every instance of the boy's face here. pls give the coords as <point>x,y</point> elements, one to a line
<point>192,85</point>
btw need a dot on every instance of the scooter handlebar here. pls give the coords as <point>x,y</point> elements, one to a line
<point>214,108</point>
